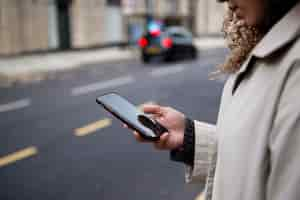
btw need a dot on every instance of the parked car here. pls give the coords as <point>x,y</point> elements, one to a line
<point>172,43</point>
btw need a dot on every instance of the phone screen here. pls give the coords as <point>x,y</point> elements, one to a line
<point>126,112</point>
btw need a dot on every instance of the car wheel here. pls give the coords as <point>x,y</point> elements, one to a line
<point>167,58</point>
<point>193,53</point>
<point>146,58</point>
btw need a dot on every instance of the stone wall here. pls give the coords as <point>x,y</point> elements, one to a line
<point>27,25</point>
<point>209,17</point>
<point>87,19</point>
<point>31,25</point>
<point>23,26</point>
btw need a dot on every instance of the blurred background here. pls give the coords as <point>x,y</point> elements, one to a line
<point>35,25</point>
<point>57,56</point>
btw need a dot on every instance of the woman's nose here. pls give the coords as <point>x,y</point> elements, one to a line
<point>231,5</point>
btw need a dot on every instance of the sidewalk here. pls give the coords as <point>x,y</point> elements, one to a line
<point>38,67</point>
<point>200,197</point>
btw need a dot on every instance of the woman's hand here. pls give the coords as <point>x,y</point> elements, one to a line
<point>170,118</point>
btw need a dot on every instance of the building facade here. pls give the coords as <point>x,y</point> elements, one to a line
<point>209,17</point>
<point>137,14</point>
<point>39,25</point>
<point>202,17</point>
<point>96,22</point>
<point>23,26</point>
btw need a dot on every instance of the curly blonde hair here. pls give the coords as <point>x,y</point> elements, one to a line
<point>241,39</point>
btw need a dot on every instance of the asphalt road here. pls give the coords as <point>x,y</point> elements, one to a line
<point>57,143</point>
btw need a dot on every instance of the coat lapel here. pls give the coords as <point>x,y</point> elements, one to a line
<point>281,35</point>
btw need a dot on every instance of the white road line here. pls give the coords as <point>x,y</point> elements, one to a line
<point>167,71</point>
<point>101,85</point>
<point>15,105</point>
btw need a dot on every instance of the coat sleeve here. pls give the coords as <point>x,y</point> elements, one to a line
<point>205,149</point>
<point>206,144</point>
<point>284,144</point>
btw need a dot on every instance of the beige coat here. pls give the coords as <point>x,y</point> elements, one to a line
<point>253,153</point>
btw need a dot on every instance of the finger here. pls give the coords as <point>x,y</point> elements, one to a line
<point>128,127</point>
<point>138,137</point>
<point>161,144</point>
<point>151,109</point>
<point>164,137</point>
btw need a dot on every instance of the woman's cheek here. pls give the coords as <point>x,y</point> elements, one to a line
<point>256,17</point>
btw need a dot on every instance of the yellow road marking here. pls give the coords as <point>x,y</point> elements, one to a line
<point>91,128</point>
<point>19,155</point>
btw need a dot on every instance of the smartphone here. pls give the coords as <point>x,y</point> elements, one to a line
<point>129,114</point>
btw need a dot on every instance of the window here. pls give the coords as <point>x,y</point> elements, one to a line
<point>113,2</point>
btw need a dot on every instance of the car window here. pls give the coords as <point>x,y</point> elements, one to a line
<point>179,33</point>
<point>153,40</point>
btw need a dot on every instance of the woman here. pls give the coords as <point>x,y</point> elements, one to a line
<point>253,151</point>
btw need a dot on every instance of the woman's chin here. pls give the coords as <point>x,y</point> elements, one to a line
<point>251,22</point>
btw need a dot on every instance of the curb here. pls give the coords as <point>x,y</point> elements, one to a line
<point>37,67</point>
<point>200,197</point>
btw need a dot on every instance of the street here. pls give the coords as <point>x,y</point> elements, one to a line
<point>57,143</point>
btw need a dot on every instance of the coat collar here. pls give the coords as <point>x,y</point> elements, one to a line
<point>286,30</point>
<point>282,33</point>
